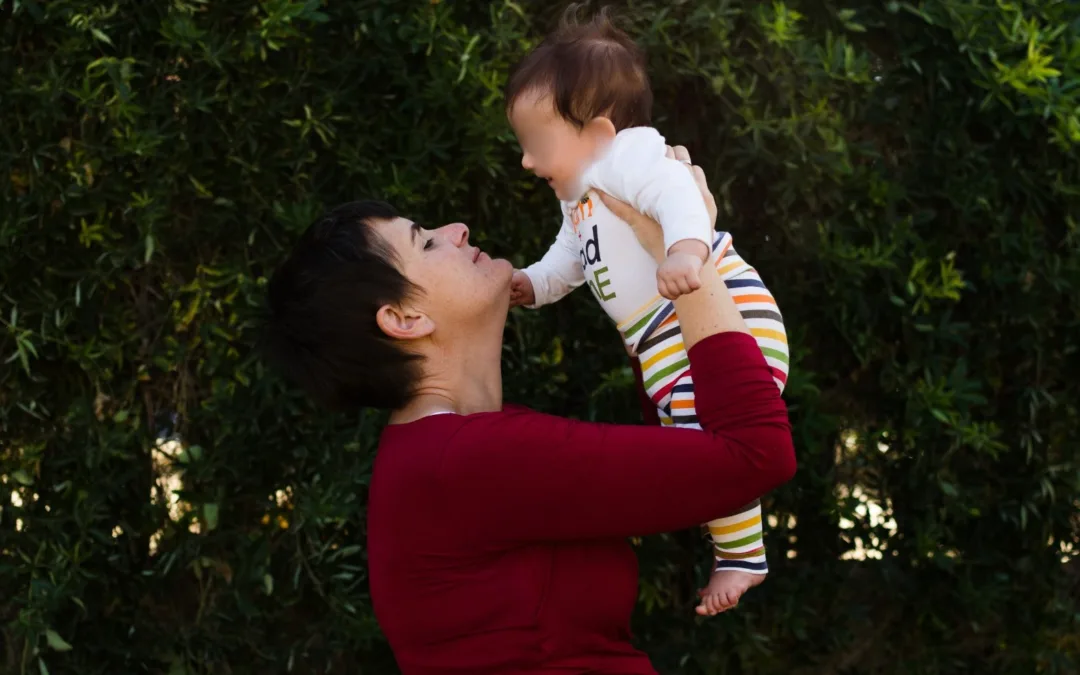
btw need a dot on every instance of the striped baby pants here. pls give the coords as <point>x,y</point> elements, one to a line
<point>665,368</point>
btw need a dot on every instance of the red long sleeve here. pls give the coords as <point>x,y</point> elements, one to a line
<point>516,477</point>
<point>495,541</point>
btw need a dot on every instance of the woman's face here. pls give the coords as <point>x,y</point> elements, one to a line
<point>459,282</point>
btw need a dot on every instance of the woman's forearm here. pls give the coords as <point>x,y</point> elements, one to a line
<point>708,310</point>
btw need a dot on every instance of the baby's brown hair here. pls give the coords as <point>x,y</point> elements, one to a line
<point>589,69</point>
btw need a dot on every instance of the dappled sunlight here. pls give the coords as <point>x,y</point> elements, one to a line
<point>871,514</point>
<point>168,483</point>
<point>18,501</point>
<point>1070,550</point>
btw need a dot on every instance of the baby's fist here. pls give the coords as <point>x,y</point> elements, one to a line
<point>679,274</point>
<point>521,290</point>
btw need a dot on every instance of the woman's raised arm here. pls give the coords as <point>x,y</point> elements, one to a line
<point>516,477</point>
<point>523,476</point>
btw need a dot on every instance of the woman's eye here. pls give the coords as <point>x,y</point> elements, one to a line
<point>428,244</point>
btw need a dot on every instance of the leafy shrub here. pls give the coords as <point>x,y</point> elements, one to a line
<point>904,175</point>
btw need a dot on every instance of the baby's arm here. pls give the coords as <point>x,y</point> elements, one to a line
<point>636,170</point>
<point>551,278</point>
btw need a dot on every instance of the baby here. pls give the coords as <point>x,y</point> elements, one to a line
<point>580,105</point>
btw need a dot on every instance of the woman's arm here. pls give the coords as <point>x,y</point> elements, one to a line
<point>651,237</point>
<point>516,477</point>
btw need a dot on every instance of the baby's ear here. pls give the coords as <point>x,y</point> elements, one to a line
<point>600,129</point>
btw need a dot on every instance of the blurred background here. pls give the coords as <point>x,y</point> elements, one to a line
<point>904,175</point>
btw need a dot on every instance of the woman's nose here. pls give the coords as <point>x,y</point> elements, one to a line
<point>527,162</point>
<point>457,233</point>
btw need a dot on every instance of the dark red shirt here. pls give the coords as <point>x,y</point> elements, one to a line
<point>497,541</point>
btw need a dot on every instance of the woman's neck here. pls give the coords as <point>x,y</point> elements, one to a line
<point>465,381</point>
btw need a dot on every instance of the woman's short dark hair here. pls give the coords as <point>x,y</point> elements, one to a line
<point>321,329</point>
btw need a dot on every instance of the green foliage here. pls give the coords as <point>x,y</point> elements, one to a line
<point>904,175</point>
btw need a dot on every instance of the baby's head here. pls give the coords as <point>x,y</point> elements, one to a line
<point>569,97</point>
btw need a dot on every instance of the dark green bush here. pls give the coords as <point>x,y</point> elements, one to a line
<point>905,176</point>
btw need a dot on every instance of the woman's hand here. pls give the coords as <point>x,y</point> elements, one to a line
<point>708,310</point>
<point>648,230</point>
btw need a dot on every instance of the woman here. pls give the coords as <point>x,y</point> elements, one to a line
<point>497,535</point>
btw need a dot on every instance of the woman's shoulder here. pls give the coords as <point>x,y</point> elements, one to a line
<point>426,452</point>
<point>438,431</point>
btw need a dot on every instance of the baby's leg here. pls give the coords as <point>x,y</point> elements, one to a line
<point>738,548</point>
<point>740,559</point>
<point>738,545</point>
<point>759,310</point>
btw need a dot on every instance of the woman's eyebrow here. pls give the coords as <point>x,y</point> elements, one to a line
<point>414,231</point>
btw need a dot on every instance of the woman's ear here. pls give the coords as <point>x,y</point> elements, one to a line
<point>403,323</point>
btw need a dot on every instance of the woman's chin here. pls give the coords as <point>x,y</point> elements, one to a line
<point>505,270</point>
<point>501,268</point>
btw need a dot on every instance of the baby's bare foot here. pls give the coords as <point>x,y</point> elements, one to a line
<point>724,589</point>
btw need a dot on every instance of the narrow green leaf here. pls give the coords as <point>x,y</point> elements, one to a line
<point>56,642</point>
<point>99,35</point>
<point>210,513</point>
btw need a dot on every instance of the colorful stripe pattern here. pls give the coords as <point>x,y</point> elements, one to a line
<point>656,338</point>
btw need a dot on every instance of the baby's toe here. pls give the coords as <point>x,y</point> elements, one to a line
<point>718,603</point>
<point>731,597</point>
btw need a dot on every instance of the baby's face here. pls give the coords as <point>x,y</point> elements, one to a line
<point>553,148</point>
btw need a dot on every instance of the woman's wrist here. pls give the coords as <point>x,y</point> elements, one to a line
<point>708,311</point>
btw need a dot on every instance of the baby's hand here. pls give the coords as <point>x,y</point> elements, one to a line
<point>521,290</point>
<point>680,273</point>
